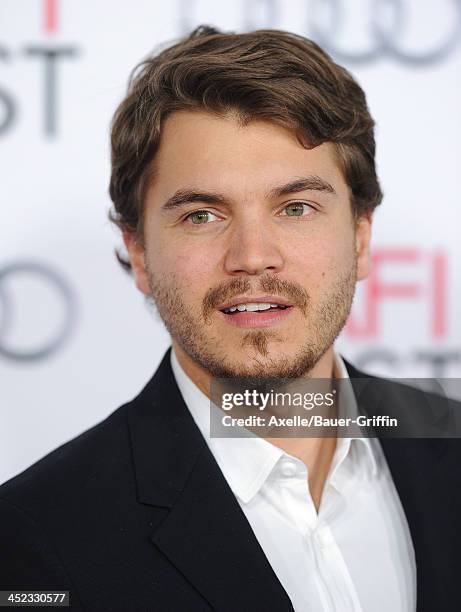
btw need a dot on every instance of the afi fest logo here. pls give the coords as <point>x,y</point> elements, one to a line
<point>49,58</point>
<point>429,297</point>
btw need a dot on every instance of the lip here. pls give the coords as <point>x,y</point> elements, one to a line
<point>255,299</point>
<point>265,318</point>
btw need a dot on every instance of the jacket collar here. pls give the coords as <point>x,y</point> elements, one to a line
<point>205,534</point>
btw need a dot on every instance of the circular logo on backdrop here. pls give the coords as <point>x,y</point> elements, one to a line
<point>408,31</point>
<point>389,24</point>
<point>38,310</point>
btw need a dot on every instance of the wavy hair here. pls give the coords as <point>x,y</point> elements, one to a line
<point>266,74</point>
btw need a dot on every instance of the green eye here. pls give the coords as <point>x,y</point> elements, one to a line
<point>295,209</point>
<point>200,216</point>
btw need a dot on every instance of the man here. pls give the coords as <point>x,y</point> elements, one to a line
<point>244,182</point>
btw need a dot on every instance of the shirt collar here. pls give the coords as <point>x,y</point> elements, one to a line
<point>247,462</point>
<point>364,445</point>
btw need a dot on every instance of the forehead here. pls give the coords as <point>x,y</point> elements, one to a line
<point>218,152</point>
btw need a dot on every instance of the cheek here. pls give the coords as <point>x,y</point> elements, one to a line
<point>319,256</point>
<point>191,269</point>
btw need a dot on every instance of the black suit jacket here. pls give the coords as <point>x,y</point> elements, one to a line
<point>135,515</point>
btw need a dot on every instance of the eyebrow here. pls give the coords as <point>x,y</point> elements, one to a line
<point>187,196</point>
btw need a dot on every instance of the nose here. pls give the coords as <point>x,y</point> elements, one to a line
<point>253,249</point>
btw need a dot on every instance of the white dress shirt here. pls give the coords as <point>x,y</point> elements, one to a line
<point>355,553</point>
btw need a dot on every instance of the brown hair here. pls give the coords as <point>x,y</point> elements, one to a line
<point>266,74</point>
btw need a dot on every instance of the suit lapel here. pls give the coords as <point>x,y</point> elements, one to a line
<point>205,534</point>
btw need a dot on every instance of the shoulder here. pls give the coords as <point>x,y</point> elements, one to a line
<point>75,469</point>
<point>94,469</point>
<point>423,408</point>
<point>59,501</point>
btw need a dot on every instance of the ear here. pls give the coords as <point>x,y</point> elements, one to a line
<point>137,252</point>
<point>362,245</point>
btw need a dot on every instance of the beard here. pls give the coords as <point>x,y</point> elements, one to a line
<point>194,332</point>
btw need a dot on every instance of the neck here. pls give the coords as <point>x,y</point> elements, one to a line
<point>316,453</point>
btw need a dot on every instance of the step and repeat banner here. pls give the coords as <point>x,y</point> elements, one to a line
<point>76,338</point>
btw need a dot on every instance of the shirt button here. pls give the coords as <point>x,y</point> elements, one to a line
<point>324,537</point>
<point>288,469</point>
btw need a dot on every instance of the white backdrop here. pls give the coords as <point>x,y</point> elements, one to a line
<point>76,339</point>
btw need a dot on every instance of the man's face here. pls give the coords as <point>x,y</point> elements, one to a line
<point>247,215</point>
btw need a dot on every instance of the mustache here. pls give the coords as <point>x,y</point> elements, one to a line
<point>225,291</point>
